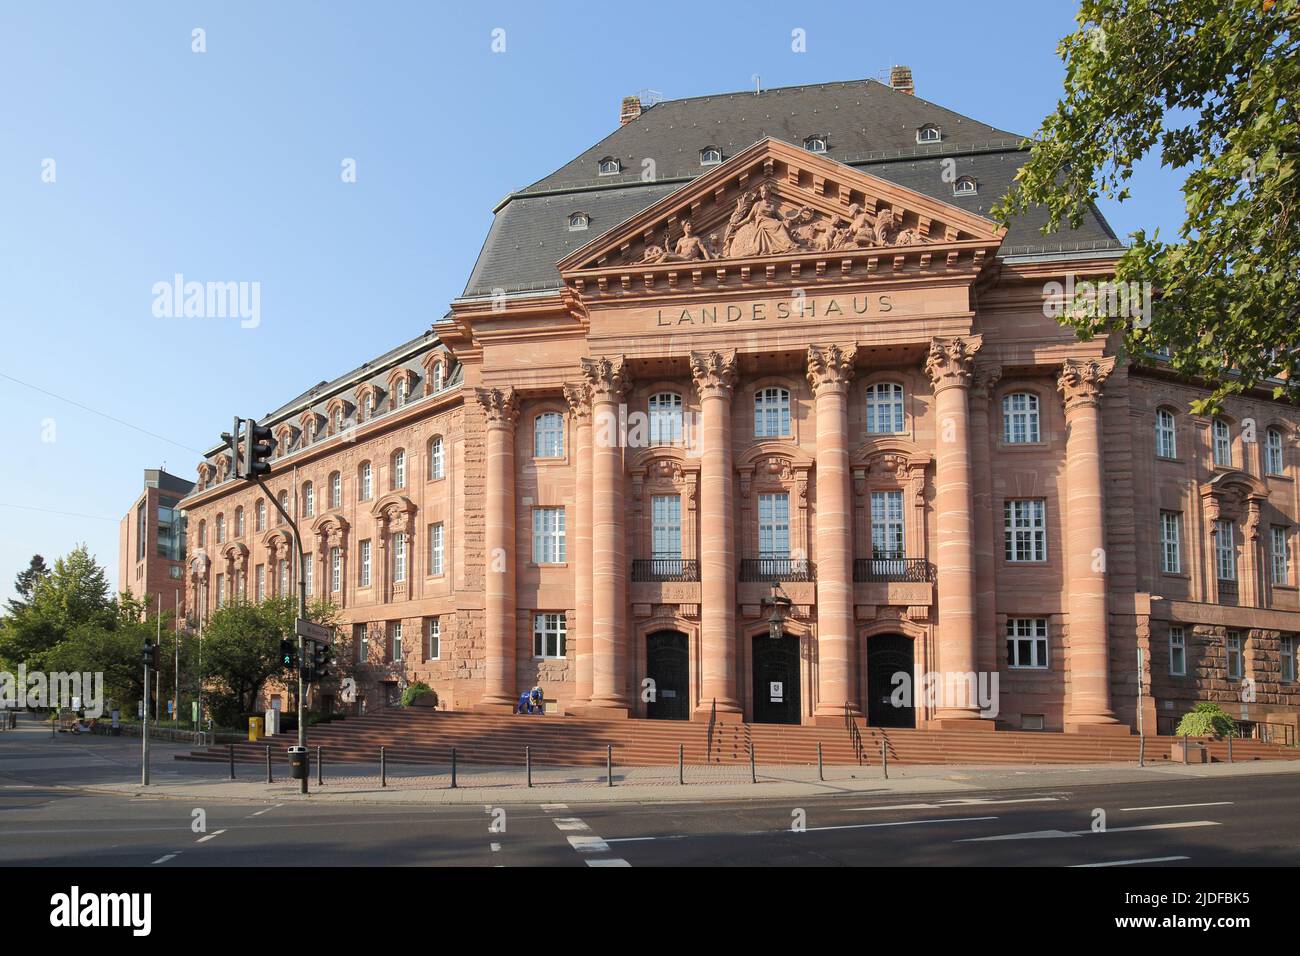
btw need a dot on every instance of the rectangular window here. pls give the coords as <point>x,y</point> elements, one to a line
<point>1287,652</point>
<point>1273,463</point>
<point>1235,659</point>
<point>433,650</point>
<point>1280,553</point>
<point>548,435</point>
<point>362,643</point>
<point>261,583</point>
<point>435,458</point>
<point>774,525</point>
<point>221,590</point>
<point>141,531</point>
<point>884,408</point>
<point>336,569</point>
<point>435,548</point>
<point>1225,551</point>
<point>1166,437</point>
<point>666,526</point>
<point>548,536</point>
<point>306,572</point>
<point>1027,642</point>
<point>399,557</point>
<point>365,482</point>
<point>772,413</point>
<point>887,525</point>
<point>1171,542</point>
<point>1020,418</point>
<point>1177,651</point>
<point>336,491</point>
<point>1025,529</point>
<point>548,635</point>
<point>396,631</point>
<point>284,578</point>
<point>364,569</point>
<point>1222,444</point>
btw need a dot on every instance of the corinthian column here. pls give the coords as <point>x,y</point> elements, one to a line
<point>1085,542</point>
<point>830,369</point>
<point>607,382</point>
<point>580,408</point>
<point>949,367</point>
<point>983,379</point>
<point>501,409</point>
<point>715,378</point>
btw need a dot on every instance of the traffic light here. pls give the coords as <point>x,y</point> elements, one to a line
<point>149,654</point>
<point>320,661</point>
<point>286,653</point>
<point>259,443</point>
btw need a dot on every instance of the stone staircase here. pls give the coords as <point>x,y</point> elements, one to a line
<point>423,736</point>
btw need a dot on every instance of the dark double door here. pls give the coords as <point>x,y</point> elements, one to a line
<point>887,655</point>
<point>776,679</point>
<point>668,665</point>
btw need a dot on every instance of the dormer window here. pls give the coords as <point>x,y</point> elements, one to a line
<point>609,166</point>
<point>579,221</point>
<point>815,144</point>
<point>965,186</point>
<point>710,156</point>
<point>929,134</point>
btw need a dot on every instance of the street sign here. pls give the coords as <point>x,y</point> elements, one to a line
<point>312,632</point>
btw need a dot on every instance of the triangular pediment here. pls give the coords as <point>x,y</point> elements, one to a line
<point>777,201</point>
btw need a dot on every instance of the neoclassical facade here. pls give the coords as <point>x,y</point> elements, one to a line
<point>788,381</point>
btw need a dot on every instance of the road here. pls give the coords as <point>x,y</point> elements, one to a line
<point>1245,821</point>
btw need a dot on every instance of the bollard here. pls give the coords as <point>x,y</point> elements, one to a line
<point>609,764</point>
<point>884,758</point>
<point>383,766</point>
<point>320,769</point>
<point>1142,751</point>
<point>528,764</point>
<point>681,764</point>
<point>1184,748</point>
<point>1229,748</point>
<point>453,768</point>
<point>232,761</point>
<point>269,777</point>
<point>753,776</point>
<point>821,775</point>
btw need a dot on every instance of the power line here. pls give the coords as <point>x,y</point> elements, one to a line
<point>51,511</point>
<point>95,411</point>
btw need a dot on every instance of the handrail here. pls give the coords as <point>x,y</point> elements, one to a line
<point>713,719</point>
<point>855,735</point>
<point>891,568</point>
<point>665,569</point>
<point>777,569</point>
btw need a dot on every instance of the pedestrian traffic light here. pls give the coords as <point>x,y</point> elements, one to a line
<point>259,443</point>
<point>150,654</point>
<point>286,653</point>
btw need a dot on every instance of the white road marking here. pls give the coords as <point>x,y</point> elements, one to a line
<point>164,859</point>
<point>965,802</point>
<point>672,836</point>
<point>260,812</point>
<point>897,823</point>
<point>210,836</point>
<point>1180,806</point>
<point>1056,834</point>
<point>552,807</point>
<point>1150,859</point>
<point>569,823</point>
<point>496,847</point>
<point>609,861</point>
<point>588,844</point>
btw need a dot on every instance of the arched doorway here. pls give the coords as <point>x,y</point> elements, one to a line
<point>668,665</point>
<point>887,655</point>
<point>776,679</point>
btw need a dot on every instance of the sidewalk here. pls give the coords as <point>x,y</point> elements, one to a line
<point>30,757</point>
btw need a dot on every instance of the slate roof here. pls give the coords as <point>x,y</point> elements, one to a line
<point>867,125</point>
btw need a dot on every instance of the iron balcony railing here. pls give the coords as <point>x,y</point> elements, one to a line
<point>665,569</point>
<point>777,569</point>
<point>892,568</point>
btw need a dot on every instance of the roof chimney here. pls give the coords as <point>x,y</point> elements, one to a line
<point>900,78</point>
<point>630,111</point>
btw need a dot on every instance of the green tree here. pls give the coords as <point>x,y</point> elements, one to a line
<point>73,594</point>
<point>1212,85</point>
<point>25,582</point>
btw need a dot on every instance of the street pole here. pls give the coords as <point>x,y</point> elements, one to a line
<point>144,734</point>
<point>1141,734</point>
<point>176,679</point>
<point>157,671</point>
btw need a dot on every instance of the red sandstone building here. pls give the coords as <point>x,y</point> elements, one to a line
<point>151,542</point>
<point>749,339</point>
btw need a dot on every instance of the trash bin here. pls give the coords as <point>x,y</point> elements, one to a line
<point>298,763</point>
<point>255,726</point>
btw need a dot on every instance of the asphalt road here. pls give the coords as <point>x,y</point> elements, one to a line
<point>1243,821</point>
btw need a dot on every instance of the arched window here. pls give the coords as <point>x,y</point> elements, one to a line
<point>1222,443</point>
<point>435,458</point>
<point>929,133</point>
<point>403,390</point>
<point>399,469</point>
<point>1166,436</point>
<point>284,503</point>
<point>435,376</point>
<point>710,156</point>
<point>310,431</point>
<point>239,522</point>
<point>365,483</point>
<point>1273,461</point>
<point>815,144</point>
<point>965,186</point>
<point>579,221</point>
<point>548,435</point>
<point>609,166</point>
<point>772,412</point>
<point>259,514</point>
<point>1020,418</point>
<point>665,418</point>
<point>336,420</point>
<point>884,408</point>
<point>203,534</point>
<point>308,499</point>
<point>221,528</point>
<point>336,490</point>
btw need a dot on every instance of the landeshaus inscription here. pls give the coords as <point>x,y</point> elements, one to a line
<point>797,307</point>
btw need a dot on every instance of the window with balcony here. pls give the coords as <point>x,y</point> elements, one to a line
<point>888,548</point>
<point>1027,642</point>
<point>774,526</point>
<point>666,527</point>
<point>1025,529</point>
<point>885,408</point>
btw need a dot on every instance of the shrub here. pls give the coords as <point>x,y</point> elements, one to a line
<point>417,690</point>
<point>1206,719</point>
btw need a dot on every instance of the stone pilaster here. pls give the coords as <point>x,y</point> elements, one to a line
<point>500,407</point>
<point>1088,708</point>
<point>988,643</point>
<point>830,369</point>
<point>715,379</point>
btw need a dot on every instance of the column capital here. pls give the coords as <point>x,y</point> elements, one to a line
<point>500,405</point>
<point>1080,382</point>
<point>607,377</point>
<point>983,379</point>
<point>950,361</point>
<point>578,395</point>
<point>714,372</point>
<point>830,366</point>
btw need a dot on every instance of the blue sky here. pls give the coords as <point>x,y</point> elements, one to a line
<point>225,166</point>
